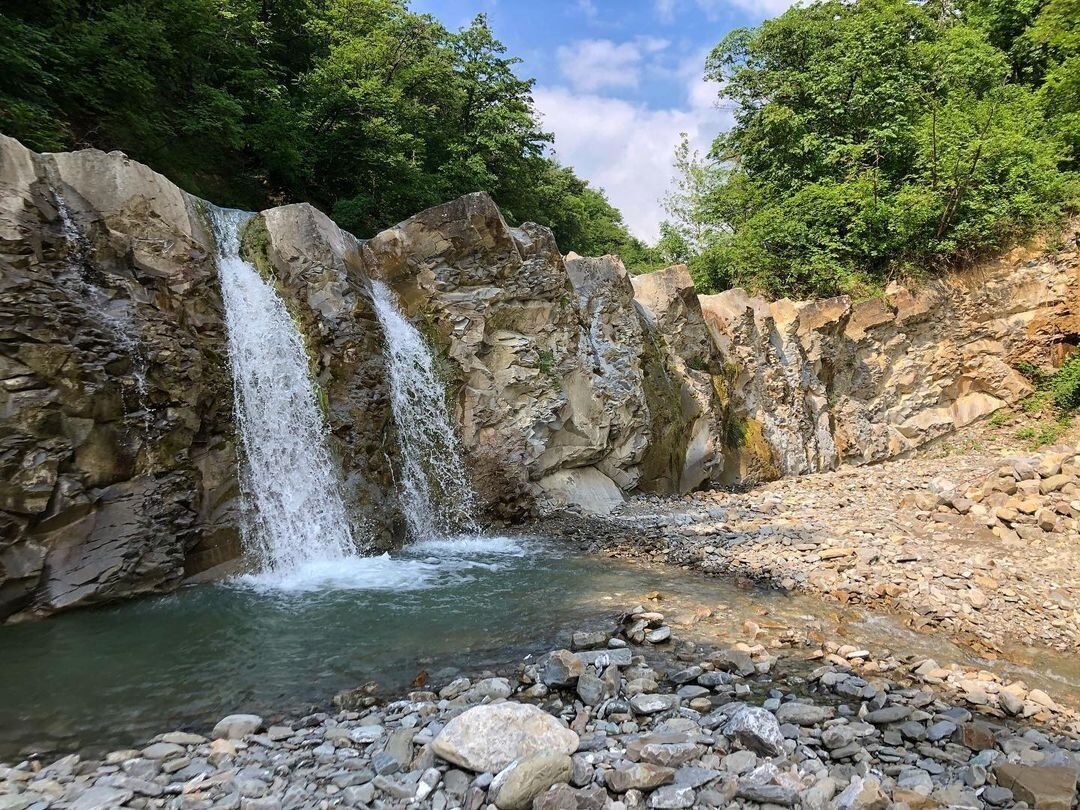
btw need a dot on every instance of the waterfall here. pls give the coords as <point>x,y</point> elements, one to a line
<point>435,493</point>
<point>298,515</point>
<point>95,298</point>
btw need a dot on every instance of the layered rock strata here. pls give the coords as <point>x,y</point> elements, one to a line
<point>572,383</point>
<point>835,381</point>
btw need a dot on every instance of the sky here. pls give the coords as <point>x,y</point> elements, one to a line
<point>617,81</point>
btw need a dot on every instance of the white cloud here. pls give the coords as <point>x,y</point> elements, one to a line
<point>714,9</point>
<point>627,148</point>
<point>588,8</point>
<point>594,64</point>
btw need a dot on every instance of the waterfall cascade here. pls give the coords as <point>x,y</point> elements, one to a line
<point>112,314</point>
<point>297,516</point>
<point>435,493</point>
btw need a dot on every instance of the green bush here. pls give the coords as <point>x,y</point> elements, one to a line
<point>1066,385</point>
<point>875,138</point>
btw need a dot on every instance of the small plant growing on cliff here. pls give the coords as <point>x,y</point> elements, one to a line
<point>1066,385</point>
<point>546,362</point>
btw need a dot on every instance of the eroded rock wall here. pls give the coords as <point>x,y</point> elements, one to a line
<point>116,454</point>
<point>547,361</point>
<point>832,381</point>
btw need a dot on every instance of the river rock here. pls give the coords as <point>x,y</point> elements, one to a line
<point>803,714</point>
<point>757,730</point>
<point>639,776</point>
<point>1045,788</point>
<point>488,738</point>
<point>653,703</point>
<point>236,726</point>
<point>515,787</point>
<point>561,668</point>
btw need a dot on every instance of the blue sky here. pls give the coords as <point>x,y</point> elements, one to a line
<point>618,81</point>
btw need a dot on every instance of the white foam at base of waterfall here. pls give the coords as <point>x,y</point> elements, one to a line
<point>436,497</point>
<point>434,563</point>
<point>296,519</point>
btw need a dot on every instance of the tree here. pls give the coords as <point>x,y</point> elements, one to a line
<point>361,107</point>
<point>873,138</point>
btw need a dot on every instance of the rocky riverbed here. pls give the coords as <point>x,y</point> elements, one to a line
<point>631,717</point>
<point>982,547</point>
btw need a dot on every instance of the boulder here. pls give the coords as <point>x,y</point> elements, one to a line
<point>488,738</point>
<point>757,730</point>
<point>236,726</point>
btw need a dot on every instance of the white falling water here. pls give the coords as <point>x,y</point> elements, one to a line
<point>298,520</point>
<point>435,493</point>
<point>119,322</point>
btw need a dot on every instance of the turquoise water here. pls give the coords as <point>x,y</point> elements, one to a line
<point>94,680</point>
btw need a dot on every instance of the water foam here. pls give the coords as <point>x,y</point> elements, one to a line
<point>296,525</point>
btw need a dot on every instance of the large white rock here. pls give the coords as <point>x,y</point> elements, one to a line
<point>487,738</point>
<point>584,487</point>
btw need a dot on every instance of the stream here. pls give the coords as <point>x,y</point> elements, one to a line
<point>95,680</point>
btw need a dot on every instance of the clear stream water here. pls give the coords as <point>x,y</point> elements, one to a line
<point>115,676</point>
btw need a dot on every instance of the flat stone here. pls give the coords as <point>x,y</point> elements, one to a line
<point>696,777</point>
<point>488,738</point>
<point>803,714</point>
<point>888,714</point>
<point>672,797</point>
<point>236,726</point>
<point>163,750</point>
<point>640,776</point>
<point>101,798</point>
<point>518,784</point>
<point>653,703</point>
<point>1044,788</point>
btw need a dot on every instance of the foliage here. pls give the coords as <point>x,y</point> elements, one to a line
<point>362,107</point>
<point>1065,385</point>
<point>880,137</point>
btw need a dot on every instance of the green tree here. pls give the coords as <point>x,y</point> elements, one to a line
<point>872,138</point>
<point>362,107</point>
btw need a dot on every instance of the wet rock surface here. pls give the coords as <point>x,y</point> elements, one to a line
<point>791,732</point>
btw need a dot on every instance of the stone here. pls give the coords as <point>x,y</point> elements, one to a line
<point>803,714</point>
<point>564,797</point>
<point>653,703</point>
<point>561,668</point>
<point>236,726</point>
<point>1043,788</point>
<point>672,797</point>
<point>757,730</point>
<point>888,714</point>
<point>515,787</point>
<point>862,793</point>
<point>101,798</point>
<point>490,737</point>
<point>639,776</point>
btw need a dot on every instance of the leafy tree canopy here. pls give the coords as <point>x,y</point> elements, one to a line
<point>877,137</point>
<point>362,107</point>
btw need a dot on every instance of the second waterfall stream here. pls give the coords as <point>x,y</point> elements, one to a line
<point>435,493</point>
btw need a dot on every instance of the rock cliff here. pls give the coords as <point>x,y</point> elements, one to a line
<point>572,383</point>
<point>832,382</point>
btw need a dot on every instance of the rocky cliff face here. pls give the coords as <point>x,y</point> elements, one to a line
<point>832,381</point>
<point>572,383</point>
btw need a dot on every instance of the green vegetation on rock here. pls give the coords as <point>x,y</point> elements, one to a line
<point>361,107</point>
<point>881,137</point>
